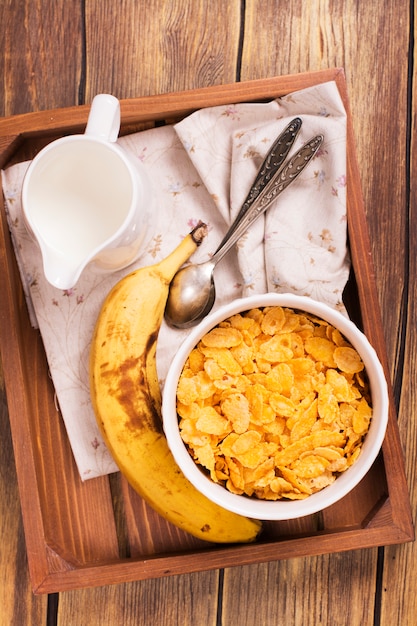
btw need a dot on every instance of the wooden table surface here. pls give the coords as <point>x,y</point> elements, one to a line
<point>59,53</point>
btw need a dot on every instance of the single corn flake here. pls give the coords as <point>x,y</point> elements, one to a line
<point>277,349</point>
<point>303,422</point>
<point>328,406</point>
<point>273,320</point>
<point>310,466</point>
<point>280,378</point>
<point>362,417</point>
<point>321,350</point>
<point>224,359</point>
<point>196,361</point>
<point>282,405</point>
<point>210,422</point>
<point>342,389</point>
<point>236,409</point>
<point>213,369</point>
<point>348,360</point>
<point>187,391</point>
<point>246,441</point>
<point>205,456</point>
<point>222,338</point>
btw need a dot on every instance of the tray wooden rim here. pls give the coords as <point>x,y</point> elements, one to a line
<point>392,523</point>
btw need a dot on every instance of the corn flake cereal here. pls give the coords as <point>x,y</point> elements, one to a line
<point>274,404</point>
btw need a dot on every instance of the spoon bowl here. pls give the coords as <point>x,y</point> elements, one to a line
<point>192,295</point>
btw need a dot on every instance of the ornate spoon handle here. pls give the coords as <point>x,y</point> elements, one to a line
<point>272,163</point>
<point>276,185</point>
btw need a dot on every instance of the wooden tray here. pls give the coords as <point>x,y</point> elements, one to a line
<point>100,532</point>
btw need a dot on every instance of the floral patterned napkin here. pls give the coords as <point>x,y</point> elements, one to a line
<point>201,168</point>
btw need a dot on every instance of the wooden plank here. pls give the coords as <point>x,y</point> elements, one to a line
<point>18,605</point>
<point>41,58</point>
<point>188,600</point>
<point>399,599</point>
<point>161,47</point>
<point>335,589</point>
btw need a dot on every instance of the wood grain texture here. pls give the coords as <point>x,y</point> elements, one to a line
<point>336,590</point>
<point>399,582</point>
<point>41,60</point>
<point>18,605</point>
<point>189,600</point>
<point>162,47</point>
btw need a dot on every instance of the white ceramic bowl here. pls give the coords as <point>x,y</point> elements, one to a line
<point>279,510</point>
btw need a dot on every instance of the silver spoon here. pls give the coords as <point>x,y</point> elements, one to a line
<point>192,292</point>
<point>273,161</point>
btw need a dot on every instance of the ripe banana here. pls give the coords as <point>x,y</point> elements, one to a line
<point>127,401</point>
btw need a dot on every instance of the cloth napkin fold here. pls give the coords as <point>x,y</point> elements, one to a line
<point>201,169</point>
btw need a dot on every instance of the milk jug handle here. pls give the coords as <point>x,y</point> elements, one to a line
<point>104,118</point>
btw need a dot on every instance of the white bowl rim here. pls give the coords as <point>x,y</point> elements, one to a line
<point>278,510</point>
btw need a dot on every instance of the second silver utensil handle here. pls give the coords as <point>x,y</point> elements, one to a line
<point>271,191</point>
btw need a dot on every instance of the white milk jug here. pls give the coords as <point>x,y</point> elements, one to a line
<point>86,200</point>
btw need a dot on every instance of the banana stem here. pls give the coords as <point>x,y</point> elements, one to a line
<point>199,232</point>
<point>169,266</point>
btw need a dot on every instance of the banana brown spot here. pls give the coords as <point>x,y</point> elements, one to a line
<point>206,528</point>
<point>151,340</point>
